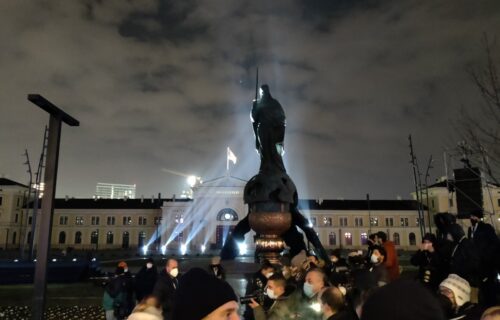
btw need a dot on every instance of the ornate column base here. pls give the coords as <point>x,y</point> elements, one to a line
<point>269,247</point>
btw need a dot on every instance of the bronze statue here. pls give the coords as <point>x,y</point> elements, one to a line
<point>271,194</point>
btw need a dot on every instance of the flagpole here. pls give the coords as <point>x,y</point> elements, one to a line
<point>227,161</point>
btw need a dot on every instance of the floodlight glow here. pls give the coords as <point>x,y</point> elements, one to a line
<point>163,249</point>
<point>191,180</point>
<point>145,250</point>
<point>15,260</point>
<point>316,307</point>
<point>242,247</point>
<point>203,248</point>
<point>93,259</point>
<point>74,259</point>
<point>183,248</point>
<point>54,260</point>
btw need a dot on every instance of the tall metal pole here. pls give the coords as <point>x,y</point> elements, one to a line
<point>23,241</point>
<point>57,116</point>
<point>429,166</point>
<point>38,179</point>
<point>412,156</point>
<point>369,214</point>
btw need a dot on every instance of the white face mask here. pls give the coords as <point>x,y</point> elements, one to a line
<point>174,272</point>
<point>374,259</point>
<point>270,294</point>
<point>149,265</point>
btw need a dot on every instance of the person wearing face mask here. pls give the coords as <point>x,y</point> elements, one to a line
<point>283,306</point>
<point>166,286</point>
<point>257,285</point>
<point>315,281</point>
<point>145,280</point>
<point>128,287</point>
<point>216,268</point>
<point>486,243</point>
<point>378,270</point>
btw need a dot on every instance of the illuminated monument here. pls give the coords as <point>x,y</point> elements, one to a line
<point>271,194</point>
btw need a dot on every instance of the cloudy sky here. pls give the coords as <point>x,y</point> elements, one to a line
<point>169,84</point>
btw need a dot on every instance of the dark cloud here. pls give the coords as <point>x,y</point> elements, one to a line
<point>169,84</point>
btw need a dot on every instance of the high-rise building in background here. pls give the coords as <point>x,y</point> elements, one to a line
<point>115,191</point>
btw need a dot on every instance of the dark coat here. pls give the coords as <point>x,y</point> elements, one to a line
<point>145,281</point>
<point>486,242</point>
<point>256,284</point>
<point>164,291</point>
<point>464,259</point>
<point>430,268</point>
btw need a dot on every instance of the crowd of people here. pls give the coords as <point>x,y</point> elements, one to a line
<point>456,279</point>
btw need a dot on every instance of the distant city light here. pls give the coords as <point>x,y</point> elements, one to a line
<point>183,248</point>
<point>15,260</point>
<point>93,259</point>
<point>242,247</point>
<point>54,260</point>
<point>145,250</point>
<point>191,180</point>
<point>74,259</point>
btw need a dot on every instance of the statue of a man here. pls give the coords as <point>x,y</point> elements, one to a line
<point>268,119</point>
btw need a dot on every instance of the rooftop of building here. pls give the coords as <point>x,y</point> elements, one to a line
<point>376,205</point>
<point>8,182</point>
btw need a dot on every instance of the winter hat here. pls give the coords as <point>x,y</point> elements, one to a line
<point>402,299</point>
<point>199,294</point>
<point>477,213</point>
<point>460,288</point>
<point>429,237</point>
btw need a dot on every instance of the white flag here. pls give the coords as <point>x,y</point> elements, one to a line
<point>231,156</point>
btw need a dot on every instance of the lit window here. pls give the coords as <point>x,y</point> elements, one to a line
<point>79,220</point>
<point>327,221</point>
<point>348,238</point>
<point>374,222</point>
<point>109,237</point>
<point>364,238</point>
<point>127,221</point>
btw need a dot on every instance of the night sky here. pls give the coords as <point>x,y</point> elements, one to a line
<point>169,84</point>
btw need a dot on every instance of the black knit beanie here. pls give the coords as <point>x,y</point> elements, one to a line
<point>199,294</point>
<point>402,299</point>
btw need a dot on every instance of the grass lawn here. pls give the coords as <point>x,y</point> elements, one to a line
<point>70,294</point>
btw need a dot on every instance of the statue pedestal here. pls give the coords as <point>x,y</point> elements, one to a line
<point>269,220</point>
